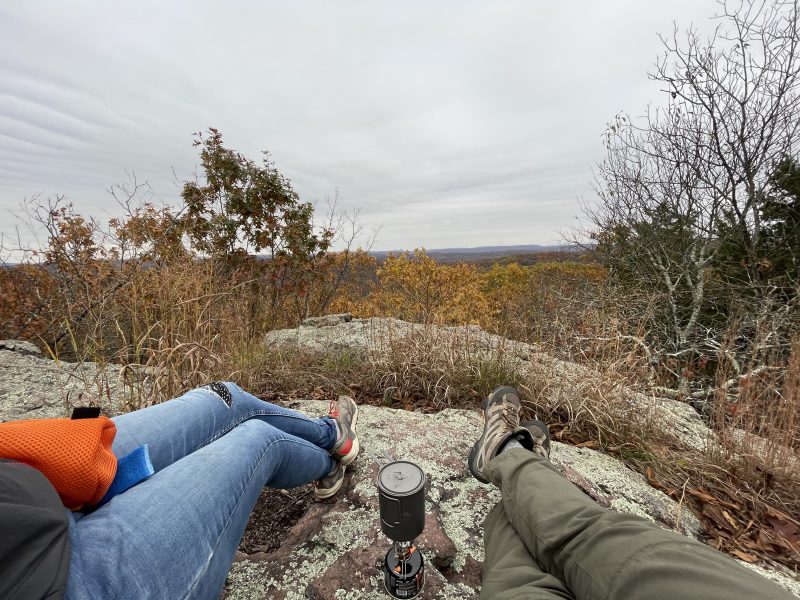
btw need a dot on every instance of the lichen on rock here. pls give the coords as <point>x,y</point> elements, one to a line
<point>348,548</point>
<point>335,548</point>
<point>35,387</point>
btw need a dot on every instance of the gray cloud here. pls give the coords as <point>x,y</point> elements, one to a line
<point>451,123</point>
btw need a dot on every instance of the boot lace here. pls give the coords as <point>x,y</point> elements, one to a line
<point>508,419</point>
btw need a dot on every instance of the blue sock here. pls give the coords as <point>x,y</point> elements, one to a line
<point>132,468</point>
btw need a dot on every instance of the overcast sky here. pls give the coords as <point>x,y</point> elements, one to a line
<point>450,123</point>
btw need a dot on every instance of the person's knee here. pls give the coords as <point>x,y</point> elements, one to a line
<point>225,391</point>
<point>259,429</point>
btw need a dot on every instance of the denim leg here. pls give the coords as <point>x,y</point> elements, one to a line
<point>178,427</point>
<point>174,535</point>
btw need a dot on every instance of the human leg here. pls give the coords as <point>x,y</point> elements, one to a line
<point>605,555</point>
<point>178,427</point>
<point>509,571</point>
<point>174,535</point>
<point>597,553</point>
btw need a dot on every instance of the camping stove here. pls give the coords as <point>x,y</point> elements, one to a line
<point>401,496</point>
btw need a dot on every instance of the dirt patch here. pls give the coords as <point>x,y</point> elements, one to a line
<point>275,513</point>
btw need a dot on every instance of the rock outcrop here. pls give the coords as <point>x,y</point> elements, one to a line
<point>20,347</point>
<point>567,383</point>
<point>337,545</point>
<point>333,549</point>
<point>603,478</point>
<point>34,387</point>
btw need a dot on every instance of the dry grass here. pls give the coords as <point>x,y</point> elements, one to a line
<point>166,330</point>
<point>426,368</point>
<point>762,421</point>
<point>745,486</point>
<point>585,405</point>
<point>758,435</point>
<point>442,368</point>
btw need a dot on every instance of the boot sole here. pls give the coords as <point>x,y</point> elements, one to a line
<point>473,454</point>
<point>329,492</point>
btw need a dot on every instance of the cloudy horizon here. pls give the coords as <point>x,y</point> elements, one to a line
<point>449,124</point>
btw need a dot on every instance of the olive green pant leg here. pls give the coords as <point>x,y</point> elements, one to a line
<point>603,555</point>
<point>509,571</point>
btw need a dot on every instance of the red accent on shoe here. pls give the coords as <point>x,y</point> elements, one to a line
<point>345,449</point>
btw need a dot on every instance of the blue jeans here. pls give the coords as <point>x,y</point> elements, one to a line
<point>174,535</point>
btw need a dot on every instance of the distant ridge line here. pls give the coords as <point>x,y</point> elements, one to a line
<point>511,249</point>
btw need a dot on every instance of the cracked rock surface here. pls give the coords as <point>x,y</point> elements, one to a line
<point>335,549</point>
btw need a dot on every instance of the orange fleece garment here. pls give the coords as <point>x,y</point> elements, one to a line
<point>74,454</point>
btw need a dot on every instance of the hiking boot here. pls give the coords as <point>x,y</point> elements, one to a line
<point>501,423</point>
<point>540,435</point>
<point>345,412</point>
<point>331,483</point>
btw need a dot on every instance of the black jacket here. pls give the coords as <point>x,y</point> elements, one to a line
<point>34,540</point>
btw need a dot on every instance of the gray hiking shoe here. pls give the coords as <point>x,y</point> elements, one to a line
<point>345,412</point>
<point>330,484</point>
<point>540,435</point>
<point>501,423</point>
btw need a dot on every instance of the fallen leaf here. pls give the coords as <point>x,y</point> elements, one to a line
<point>589,444</point>
<point>706,497</point>
<point>651,478</point>
<point>714,514</point>
<point>776,514</point>
<point>750,558</point>
<point>702,496</point>
<point>765,544</point>
<point>730,519</point>
<point>787,531</point>
<point>750,544</point>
